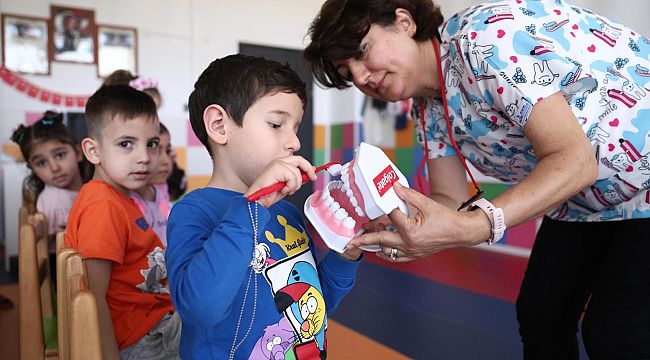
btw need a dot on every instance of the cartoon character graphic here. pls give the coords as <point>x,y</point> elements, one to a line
<point>305,299</point>
<point>481,53</point>
<point>155,274</point>
<point>543,75</point>
<point>275,341</point>
<point>598,134</point>
<point>519,110</point>
<point>261,257</point>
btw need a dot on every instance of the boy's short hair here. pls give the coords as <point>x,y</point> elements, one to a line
<point>113,100</point>
<point>236,82</point>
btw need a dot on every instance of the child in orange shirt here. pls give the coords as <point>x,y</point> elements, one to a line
<point>124,256</point>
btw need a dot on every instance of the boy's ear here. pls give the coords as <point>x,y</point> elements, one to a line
<point>91,150</point>
<point>216,124</point>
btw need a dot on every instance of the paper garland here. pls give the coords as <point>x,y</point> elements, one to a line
<point>43,95</point>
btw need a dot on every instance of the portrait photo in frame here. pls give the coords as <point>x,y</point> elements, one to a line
<point>117,49</point>
<point>72,35</point>
<point>25,44</point>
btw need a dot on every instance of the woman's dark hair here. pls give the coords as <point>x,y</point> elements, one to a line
<point>339,27</point>
<point>49,127</point>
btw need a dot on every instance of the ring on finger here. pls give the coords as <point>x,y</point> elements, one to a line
<point>393,254</point>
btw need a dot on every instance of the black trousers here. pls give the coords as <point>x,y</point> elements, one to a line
<point>601,269</point>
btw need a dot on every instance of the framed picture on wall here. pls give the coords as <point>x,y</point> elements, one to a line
<point>117,49</point>
<point>72,35</point>
<point>25,44</point>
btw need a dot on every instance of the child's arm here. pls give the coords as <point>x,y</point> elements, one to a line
<point>99,276</point>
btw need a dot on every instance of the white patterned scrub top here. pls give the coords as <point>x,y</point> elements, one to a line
<point>499,59</point>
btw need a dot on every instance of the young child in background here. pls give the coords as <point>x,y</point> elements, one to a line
<point>124,256</point>
<point>176,181</point>
<point>55,158</point>
<point>153,199</point>
<point>243,275</point>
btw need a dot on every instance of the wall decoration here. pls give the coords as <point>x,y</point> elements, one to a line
<point>117,49</point>
<point>25,44</point>
<point>72,35</point>
<point>44,95</point>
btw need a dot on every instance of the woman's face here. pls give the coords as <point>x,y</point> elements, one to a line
<point>387,67</point>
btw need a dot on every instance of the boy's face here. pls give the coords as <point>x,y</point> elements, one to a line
<point>127,154</point>
<point>268,132</point>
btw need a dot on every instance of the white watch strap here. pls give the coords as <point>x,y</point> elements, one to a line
<point>497,220</point>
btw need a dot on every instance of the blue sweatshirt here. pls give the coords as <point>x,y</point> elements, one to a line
<point>260,302</point>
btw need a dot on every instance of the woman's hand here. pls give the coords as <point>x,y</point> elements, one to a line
<point>431,228</point>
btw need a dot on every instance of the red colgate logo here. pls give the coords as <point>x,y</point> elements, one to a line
<point>385,180</point>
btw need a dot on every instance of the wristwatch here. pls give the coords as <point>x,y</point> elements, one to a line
<point>495,214</point>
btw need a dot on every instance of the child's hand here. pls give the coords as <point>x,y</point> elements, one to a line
<point>351,254</point>
<point>378,224</point>
<point>288,170</point>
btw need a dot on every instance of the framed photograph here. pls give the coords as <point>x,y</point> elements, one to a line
<point>72,35</point>
<point>117,49</point>
<point>25,44</point>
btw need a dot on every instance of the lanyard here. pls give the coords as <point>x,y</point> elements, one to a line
<point>443,90</point>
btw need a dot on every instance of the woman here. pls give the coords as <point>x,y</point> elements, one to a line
<point>549,96</point>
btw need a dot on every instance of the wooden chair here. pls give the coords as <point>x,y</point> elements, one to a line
<point>35,310</point>
<point>79,336</point>
<point>60,241</point>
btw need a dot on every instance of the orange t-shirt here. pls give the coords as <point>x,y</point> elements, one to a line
<point>105,224</point>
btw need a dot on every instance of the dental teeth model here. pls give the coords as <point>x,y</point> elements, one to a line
<point>364,192</point>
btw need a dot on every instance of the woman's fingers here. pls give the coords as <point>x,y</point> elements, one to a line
<point>414,198</point>
<point>381,238</point>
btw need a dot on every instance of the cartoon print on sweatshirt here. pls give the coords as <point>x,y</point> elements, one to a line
<point>261,257</point>
<point>275,342</point>
<point>295,240</point>
<point>298,295</point>
<point>155,274</point>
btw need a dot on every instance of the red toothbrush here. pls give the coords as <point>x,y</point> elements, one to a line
<point>331,167</point>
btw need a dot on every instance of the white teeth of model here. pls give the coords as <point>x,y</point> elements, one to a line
<point>325,194</point>
<point>346,165</point>
<point>346,187</point>
<point>334,206</point>
<point>349,194</point>
<point>354,201</point>
<point>340,214</point>
<point>344,171</point>
<point>328,200</point>
<point>349,222</point>
<point>345,177</point>
<point>359,211</point>
<point>339,184</point>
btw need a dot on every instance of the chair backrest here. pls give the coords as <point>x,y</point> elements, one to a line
<point>79,336</point>
<point>35,288</point>
<point>60,240</point>
<point>62,300</point>
<point>30,312</point>
<point>85,342</point>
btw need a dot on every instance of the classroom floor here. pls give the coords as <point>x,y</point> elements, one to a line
<point>458,304</point>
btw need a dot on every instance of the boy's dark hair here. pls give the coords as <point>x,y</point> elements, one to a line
<point>49,127</point>
<point>236,82</point>
<point>339,27</point>
<point>113,100</point>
